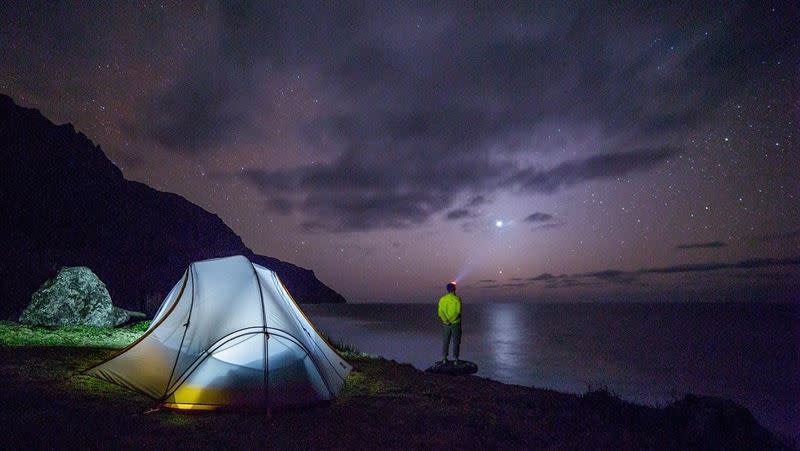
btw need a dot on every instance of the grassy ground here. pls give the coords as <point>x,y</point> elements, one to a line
<point>46,403</point>
<point>13,334</point>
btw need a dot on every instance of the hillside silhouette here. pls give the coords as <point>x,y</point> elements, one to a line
<point>64,203</point>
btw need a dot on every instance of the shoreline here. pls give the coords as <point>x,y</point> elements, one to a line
<point>728,351</point>
<point>384,404</point>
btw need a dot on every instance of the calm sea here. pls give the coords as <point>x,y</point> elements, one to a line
<point>647,353</point>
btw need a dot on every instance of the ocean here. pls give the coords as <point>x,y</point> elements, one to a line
<point>646,353</point>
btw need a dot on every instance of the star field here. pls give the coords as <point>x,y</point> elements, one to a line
<point>391,148</point>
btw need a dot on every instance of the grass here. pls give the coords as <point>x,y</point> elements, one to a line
<point>346,350</point>
<point>359,383</point>
<point>14,334</point>
<point>141,326</point>
<point>46,402</point>
<point>20,335</point>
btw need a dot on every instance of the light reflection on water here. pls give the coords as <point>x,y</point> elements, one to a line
<point>650,354</point>
<point>504,340</point>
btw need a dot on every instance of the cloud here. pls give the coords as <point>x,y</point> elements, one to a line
<point>459,213</point>
<point>538,217</point>
<point>706,245</point>
<point>543,276</point>
<point>413,107</point>
<point>628,277</point>
<point>280,205</point>
<point>477,201</point>
<point>467,211</point>
<point>192,115</point>
<point>612,277</point>
<point>570,283</point>
<point>712,266</point>
<point>353,193</point>
<point>543,221</point>
<point>362,191</point>
<point>596,167</point>
<point>500,286</point>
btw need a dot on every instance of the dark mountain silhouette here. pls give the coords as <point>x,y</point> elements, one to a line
<point>64,203</point>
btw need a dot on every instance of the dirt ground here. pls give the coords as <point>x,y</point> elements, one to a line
<point>46,403</point>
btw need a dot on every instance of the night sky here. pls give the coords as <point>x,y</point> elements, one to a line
<point>541,152</point>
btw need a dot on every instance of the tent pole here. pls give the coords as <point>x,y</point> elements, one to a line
<point>185,329</point>
<point>266,371</point>
<point>266,336</point>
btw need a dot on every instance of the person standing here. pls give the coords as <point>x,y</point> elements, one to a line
<point>450,314</point>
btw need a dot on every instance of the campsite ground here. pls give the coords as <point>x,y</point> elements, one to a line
<point>47,404</point>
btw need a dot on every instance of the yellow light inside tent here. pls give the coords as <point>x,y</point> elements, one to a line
<point>178,406</point>
<point>191,397</point>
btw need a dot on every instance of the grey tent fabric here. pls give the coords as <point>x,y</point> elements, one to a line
<point>229,335</point>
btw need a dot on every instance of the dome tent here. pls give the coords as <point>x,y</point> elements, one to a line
<point>228,335</point>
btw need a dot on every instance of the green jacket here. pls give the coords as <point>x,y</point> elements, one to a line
<point>450,308</point>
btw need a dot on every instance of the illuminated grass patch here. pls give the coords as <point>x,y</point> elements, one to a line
<point>362,384</point>
<point>13,334</point>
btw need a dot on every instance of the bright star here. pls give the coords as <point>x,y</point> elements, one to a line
<point>498,223</point>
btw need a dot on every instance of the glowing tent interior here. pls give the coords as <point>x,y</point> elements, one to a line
<point>228,335</point>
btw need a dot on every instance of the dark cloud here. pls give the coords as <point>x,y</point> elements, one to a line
<point>770,276</point>
<point>191,116</point>
<point>426,102</point>
<point>477,201</point>
<point>543,221</point>
<point>459,213</point>
<point>571,283</point>
<point>743,264</point>
<point>538,217</point>
<point>706,245</point>
<point>612,276</point>
<point>629,278</point>
<point>352,116</point>
<point>500,286</point>
<point>361,194</point>
<point>279,205</point>
<point>543,276</point>
<point>217,94</point>
<point>596,167</point>
<point>362,191</point>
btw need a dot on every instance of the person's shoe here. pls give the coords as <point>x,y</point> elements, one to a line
<point>444,361</point>
<point>457,362</point>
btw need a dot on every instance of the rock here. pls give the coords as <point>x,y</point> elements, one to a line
<point>74,297</point>
<point>730,424</point>
<point>450,367</point>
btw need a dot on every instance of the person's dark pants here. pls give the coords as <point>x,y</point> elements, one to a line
<point>454,331</point>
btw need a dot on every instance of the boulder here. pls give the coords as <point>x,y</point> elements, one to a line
<point>452,368</point>
<point>74,297</point>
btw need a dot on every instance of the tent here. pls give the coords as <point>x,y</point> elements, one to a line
<point>228,335</point>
